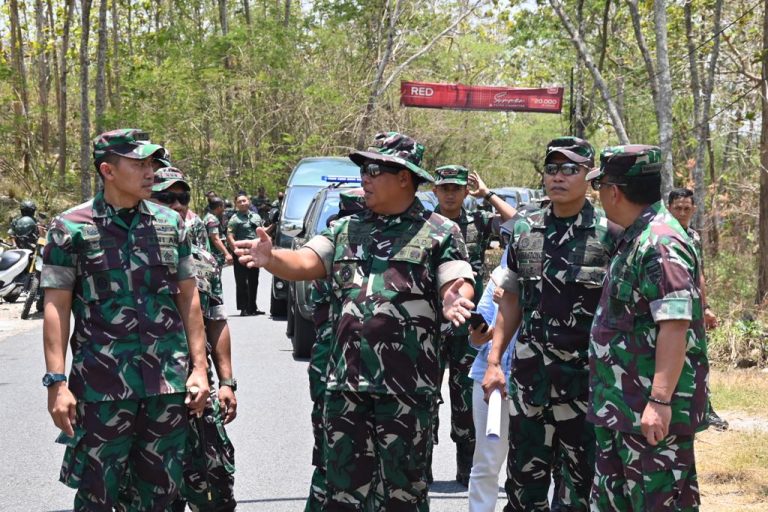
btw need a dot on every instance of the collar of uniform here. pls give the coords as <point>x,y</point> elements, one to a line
<point>645,218</point>
<point>102,209</point>
<point>585,219</point>
<point>414,211</point>
<point>462,218</point>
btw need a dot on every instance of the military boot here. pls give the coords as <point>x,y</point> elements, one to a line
<point>464,453</point>
<point>715,421</point>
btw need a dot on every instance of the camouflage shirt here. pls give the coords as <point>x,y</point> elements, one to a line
<point>242,226</point>
<point>320,298</point>
<point>198,234</point>
<point>213,226</point>
<point>559,265</point>
<point>128,341</point>
<point>654,277</point>
<point>476,228</point>
<point>386,275</point>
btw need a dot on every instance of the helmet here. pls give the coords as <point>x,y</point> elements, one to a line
<point>28,208</point>
<point>24,227</point>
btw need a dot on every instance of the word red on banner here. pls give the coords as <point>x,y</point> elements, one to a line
<point>478,97</point>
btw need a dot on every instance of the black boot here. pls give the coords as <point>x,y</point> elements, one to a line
<point>464,453</point>
<point>716,421</point>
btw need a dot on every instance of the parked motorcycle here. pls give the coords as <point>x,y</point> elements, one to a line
<point>13,272</point>
<point>34,271</point>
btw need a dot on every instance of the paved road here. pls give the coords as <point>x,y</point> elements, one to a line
<point>271,435</point>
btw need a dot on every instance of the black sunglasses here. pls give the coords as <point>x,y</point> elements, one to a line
<point>171,197</point>
<point>597,184</point>
<point>567,168</point>
<point>374,170</point>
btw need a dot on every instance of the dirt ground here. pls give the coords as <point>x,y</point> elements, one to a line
<point>11,322</point>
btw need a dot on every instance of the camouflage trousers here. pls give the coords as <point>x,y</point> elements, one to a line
<point>633,476</point>
<point>217,457</point>
<point>458,355</point>
<point>543,440</point>
<point>376,444</point>
<point>133,446</point>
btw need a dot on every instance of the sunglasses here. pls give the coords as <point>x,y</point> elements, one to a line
<point>374,170</point>
<point>171,197</point>
<point>567,169</point>
<point>597,184</point>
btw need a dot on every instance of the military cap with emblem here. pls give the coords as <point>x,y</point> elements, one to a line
<point>573,148</point>
<point>126,142</point>
<point>451,175</point>
<point>167,176</point>
<point>395,148</point>
<point>631,161</point>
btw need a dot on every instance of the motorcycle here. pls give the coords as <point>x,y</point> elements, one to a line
<point>13,272</point>
<point>34,271</point>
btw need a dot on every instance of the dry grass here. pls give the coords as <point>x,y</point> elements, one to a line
<point>733,465</point>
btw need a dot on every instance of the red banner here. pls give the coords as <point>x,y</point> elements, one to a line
<point>477,97</point>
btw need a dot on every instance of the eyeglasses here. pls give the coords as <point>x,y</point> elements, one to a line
<point>567,168</point>
<point>374,170</point>
<point>597,184</point>
<point>172,197</point>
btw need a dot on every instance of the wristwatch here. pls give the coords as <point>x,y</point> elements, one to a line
<point>489,195</point>
<point>49,379</point>
<point>229,382</point>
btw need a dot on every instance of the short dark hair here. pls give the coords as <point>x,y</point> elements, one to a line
<point>680,193</point>
<point>110,158</point>
<point>215,202</point>
<point>642,189</point>
<point>242,193</point>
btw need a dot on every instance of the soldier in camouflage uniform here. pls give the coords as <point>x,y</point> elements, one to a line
<point>123,267</point>
<point>216,232</point>
<point>209,469</point>
<point>648,355</point>
<point>350,202</point>
<point>390,266</point>
<point>451,188</point>
<point>556,261</point>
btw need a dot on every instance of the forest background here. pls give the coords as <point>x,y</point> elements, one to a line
<point>239,91</point>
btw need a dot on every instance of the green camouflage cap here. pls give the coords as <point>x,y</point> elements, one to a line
<point>630,161</point>
<point>164,157</point>
<point>127,142</point>
<point>395,148</point>
<point>573,148</point>
<point>351,201</point>
<point>451,174</point>
<point>167,176</point>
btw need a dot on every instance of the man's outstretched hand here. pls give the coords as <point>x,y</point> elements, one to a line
<point>255,253</point>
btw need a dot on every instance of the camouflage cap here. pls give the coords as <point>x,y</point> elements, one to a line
<point>127,142</point>
<point>164,157</point>
<point>573,148</point>
<point>630,161</point>
<point>395,148</point>
<point>351,201</point>
<point>167,176</point>
<point>451,174</point>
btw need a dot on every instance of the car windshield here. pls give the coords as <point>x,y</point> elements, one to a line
<point>315,172</point>
<point>330,207</point>
<point>297,201</point>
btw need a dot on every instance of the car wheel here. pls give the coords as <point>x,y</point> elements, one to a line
<point>303,336</point>
<point>290,313</point>
<point>277,307</point>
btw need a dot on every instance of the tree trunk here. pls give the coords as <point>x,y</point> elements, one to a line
<point>115,97</point>
<point>85,120</point>
<point>21,103</point>
<point>618,124</point>
<point>762,253</point>
<point>664,109</point>
<point>714,230</point>
<point>247,12</point>
<point>53,57</point>
<point>43,76</point>
<point>62,118</point>
<point>101,64</point>
<point>577,128</point>
<point>287,18</point>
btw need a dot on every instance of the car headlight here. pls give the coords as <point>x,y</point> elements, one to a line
<point>279,285</point>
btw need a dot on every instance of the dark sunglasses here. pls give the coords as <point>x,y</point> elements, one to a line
<point>374,170</point>
<point>172,197</point>
<point>567,168</point>
<point>597,184</point>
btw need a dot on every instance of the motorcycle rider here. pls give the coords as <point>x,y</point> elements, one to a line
<point>24,230</point>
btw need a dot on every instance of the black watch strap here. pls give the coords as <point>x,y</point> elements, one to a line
<point>489,195</point>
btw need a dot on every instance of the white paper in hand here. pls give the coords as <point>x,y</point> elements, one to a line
<point>493,423</point>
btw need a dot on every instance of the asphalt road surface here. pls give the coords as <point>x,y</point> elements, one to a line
<point>272,433</point>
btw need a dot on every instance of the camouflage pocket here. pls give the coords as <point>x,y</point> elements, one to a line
<point>621,314</point>
<point>75,458</point>
<point>103,275</point>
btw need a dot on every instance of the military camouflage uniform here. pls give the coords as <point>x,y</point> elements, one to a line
<point>383,370</point>
<point>214,226</point>
<point>129,349</point>
<point>558,266</point>
<point>242,226</point>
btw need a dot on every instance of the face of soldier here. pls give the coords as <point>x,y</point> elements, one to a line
<point>242,204</point>
<point>450,197</point>
<point>385,190</point>
<point>564,190</point>
<point>683,209</point>
<point>182,209</point>
<point>129,179</point>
